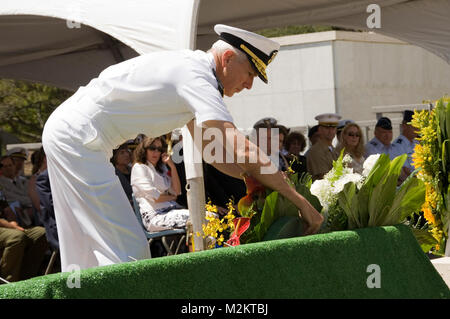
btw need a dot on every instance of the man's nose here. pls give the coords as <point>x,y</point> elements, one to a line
<point>249,83</point>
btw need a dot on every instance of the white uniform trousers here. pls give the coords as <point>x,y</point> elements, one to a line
<point>95,222</point>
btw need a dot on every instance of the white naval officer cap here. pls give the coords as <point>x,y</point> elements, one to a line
<point>18,152</point>
<point>260,50</point>
<point>328,119</point>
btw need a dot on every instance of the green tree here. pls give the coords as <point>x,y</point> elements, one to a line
<point>297,29</point>
<point>25,107</point>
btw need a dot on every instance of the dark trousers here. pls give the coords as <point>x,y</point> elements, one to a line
<point>23,252</point>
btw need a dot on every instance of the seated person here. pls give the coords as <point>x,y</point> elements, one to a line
<point>266,129</point>
<point>155,188</point>
<point>295,144</point>
<point>178,159</point>
<point>39,162</point>
<point>18,155</point>
<point>121,160</point>
<point>23,250</point>
<point>352,141</point>
<point>220,188</point>
<point>47,212</point>
<point>15,189</point>
<point>313,136</point>
<point>322,154</point>
<point>406,143</point>
<point>381,143</point>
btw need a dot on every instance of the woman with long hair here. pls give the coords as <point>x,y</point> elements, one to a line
<point>352,141</point>
<point>155,188</point>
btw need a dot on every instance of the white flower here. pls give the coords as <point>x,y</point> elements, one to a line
<point>347,178</point>
<point>347,160</point>
<point>369,163</point>
<point>321,188</point>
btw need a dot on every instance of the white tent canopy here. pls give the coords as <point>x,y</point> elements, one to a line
<point>66,43</point>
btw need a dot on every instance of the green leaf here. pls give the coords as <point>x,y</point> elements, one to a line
<point>346,202</point>
<point>384,193</point>
<point>408,200</point>
<point>268,216</point>
<point>378,171</point>
<point>424,238</point>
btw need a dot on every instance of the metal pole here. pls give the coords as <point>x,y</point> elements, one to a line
<point>195,188</point>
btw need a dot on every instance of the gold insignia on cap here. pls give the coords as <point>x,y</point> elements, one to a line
<point>259,64</point>
<point>274,54</point>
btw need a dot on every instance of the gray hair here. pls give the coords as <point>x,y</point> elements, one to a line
<point>221,46</point>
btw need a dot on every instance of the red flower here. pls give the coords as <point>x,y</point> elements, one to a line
<point>241,224</point>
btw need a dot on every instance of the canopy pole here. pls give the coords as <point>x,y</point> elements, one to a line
<point>195,188</point>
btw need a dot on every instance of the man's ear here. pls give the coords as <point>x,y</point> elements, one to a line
<point>227,56</point>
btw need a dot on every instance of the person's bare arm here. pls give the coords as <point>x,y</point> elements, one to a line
<point>165,198</point>
<point>258,165</point>
<point>176,184</point>
<point>13,225</point>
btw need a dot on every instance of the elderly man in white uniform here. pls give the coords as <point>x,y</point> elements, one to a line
<point>154,93</point>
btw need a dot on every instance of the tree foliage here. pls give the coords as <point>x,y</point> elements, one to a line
<point>296,29</point>
<point>25,107</point>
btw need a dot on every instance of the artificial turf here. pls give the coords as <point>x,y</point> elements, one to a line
<point>333,265</point>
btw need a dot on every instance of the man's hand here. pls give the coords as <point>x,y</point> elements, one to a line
<point>262,169</point>
<point>16,226</point>
<point>312,218</point>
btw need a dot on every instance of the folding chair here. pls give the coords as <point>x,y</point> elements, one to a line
<point>51,262</point>
<point>152,236</point>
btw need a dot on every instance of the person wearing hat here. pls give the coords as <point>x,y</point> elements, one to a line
<point>406,142</point>
<point>153,93</point>
<point>381,143</point>
<point>321,155</point>
<point>19,156</point>
<point>280,132</point>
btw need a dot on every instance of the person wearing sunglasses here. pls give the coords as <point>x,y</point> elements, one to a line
<point>155,188</point>
<point>321,155</point>
<point>152,93</point>
<point>352,141</point>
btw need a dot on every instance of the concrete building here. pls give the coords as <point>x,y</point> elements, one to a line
<point>344,72</point>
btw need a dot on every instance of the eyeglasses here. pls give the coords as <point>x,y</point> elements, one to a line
<point>155,148</point>
<point>353,134</point>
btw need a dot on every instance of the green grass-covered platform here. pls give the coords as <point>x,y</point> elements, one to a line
<point>333,265</point>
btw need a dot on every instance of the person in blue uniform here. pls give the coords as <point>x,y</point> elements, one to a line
<point>406,142</point>
<point>382,142</point>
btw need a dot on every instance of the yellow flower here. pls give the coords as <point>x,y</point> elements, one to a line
<point>211,208</point>
<point>215,226</point>
<point>431,197</point>
<point>428,214</point>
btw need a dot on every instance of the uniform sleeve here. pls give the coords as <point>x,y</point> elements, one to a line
<point>202,97</point>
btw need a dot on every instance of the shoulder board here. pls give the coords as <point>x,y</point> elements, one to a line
<point>399,141</point>
<point>374,143</point>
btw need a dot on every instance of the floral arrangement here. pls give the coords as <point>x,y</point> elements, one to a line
<point>257,211</point>
<point>431,159</point>
<point>347,200</point>
<point>218,228</point>
<point>353,200</point>
<point>328,188</point>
